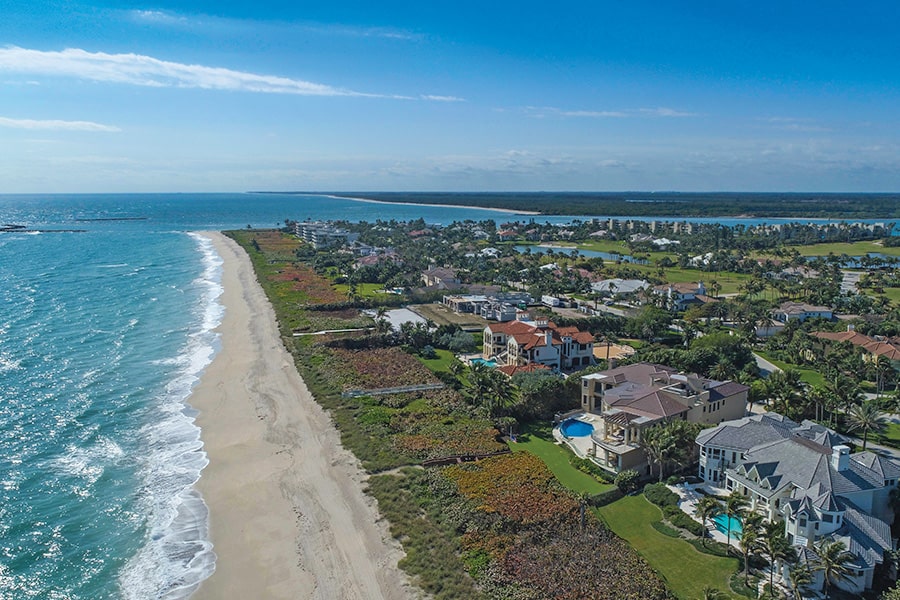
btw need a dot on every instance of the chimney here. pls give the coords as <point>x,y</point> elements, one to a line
<point>548,338</point>
<point>840,457</point>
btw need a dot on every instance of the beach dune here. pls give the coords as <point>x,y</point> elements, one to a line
<point>288,516</point>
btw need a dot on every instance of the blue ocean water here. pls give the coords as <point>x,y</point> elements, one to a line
<point>103,333</point>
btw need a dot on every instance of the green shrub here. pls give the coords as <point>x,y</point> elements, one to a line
<point>627,480</point>
<point>607,497</point>
<point>660,495</point>
<point>665,529</point>
<point>588,466</point>
<point>681,519</point>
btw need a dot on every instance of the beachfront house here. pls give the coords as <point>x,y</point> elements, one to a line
<point>805,475</point>
<point>520,342</point>
<point>631,398</point>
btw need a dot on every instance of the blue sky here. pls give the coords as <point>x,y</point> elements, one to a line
<point>457,96</point>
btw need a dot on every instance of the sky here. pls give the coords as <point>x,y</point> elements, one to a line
<point>592,95</point>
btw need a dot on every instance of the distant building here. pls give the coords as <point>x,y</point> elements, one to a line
<point>680,295</point>
<point>323,235</point>
<point>800,311</point>
<point>872,347</point>
<point>440,277</point>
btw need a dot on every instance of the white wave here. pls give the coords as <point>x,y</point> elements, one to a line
<point>9,364</point>
<point>87,463</point>
<point>178,555</point>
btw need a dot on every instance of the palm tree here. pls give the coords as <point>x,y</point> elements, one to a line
<point>835,562</point>
<point>735,505</point>
<point>502,394</point>
<point>707,508</point>
<point>774,546</point>
<point>867,417</point>
<point>659,445</point>
<point>711,593</point>
<point>749,540</point>
<point>800,577</point>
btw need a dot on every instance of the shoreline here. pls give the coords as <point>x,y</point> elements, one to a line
<point>527,213</point>
<point>288,517</point>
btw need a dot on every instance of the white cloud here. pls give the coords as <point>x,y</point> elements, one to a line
<point>441,98</point>
<point>170,19</point>
<point>136,69</point>
<point>598,114</point>
<point>627,113</point>
<point>56,125</point>
<point>666,112</point>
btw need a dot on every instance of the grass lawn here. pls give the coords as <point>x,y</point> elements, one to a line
<point>728,281</point>
<point>889,437</point>
<point>442,363</point>
<point>363,290</point>
<point>686,570</point>
<point>809,376</point>
<point>539,442</point>
<point>854,249</point>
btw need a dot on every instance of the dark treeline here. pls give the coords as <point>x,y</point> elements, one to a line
<point>666,204</point>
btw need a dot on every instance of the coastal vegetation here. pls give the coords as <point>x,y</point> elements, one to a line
<point>500,528</point>
<point>497,528</point>
<point>674,204</point>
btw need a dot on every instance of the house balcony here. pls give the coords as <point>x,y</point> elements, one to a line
<point>614,443</point>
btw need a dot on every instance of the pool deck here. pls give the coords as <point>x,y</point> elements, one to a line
<point>688,496</point>
<point>578,445</point>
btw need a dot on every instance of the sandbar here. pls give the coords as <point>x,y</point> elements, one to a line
<point>288,515</point>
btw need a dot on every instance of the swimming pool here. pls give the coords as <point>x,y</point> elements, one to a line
<point>481,361</point>
<point>576,428</point>
<point>721,521</point>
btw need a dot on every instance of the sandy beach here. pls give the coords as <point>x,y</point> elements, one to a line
<point>288,517</point>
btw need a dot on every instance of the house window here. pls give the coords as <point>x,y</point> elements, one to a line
<point>828,518</point>
<point>802,521</point>
<point>734,457</point>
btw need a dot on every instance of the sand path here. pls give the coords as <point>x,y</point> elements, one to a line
<point>288,517</point>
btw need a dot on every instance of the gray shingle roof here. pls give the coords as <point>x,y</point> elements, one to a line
<point>807,466</point>
<point>743,434</point>
<point>866,536</point>
<point>886,468</point>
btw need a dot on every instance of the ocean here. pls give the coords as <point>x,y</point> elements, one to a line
<point>103,334</point>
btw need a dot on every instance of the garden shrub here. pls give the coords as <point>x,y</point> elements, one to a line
<point>681,519</point>
<point>607,497</point>
<point>665,529</point>
<point>660,495</point>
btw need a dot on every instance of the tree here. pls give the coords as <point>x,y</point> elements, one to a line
<point>866,417</point>
<point>800,577</point>
<point>835,562</point>
<point>706,509</point>
<point>659,445</point>
<point>891,594</point>
<point>774,546</point>
<point>785,390</point>
<point>541,394</point>
<point>749,541</point>
<point>627,481</point>
<point>711,593</point>
<point>650,323</point>
<point>735,505</point>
